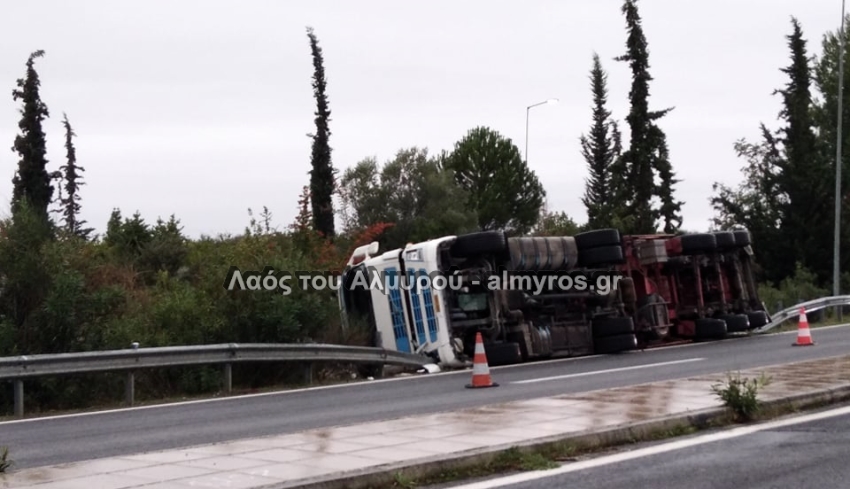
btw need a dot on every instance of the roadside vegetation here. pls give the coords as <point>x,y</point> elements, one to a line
<point>5,462</point>
<point>740,395</point>
<point>65,288</point>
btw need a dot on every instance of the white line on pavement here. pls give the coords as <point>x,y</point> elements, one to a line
<point>653,450</point>
<point>607,371</point>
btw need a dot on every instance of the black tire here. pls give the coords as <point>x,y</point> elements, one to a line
<point>614,344</point>
<point>482,243</point>
<point>742,238</point>
<point>757,319</point>
<point>725,240</point>
<point>710,328</point>
<point>507,353</point>
<point>736,323</point>
<point>612,326</point>
<point>605,255</point>
<point>627,290</point>
<point>597,238</point>
<point>694,244</point>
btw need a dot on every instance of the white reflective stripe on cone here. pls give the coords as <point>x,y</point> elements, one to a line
<point>480,369</point>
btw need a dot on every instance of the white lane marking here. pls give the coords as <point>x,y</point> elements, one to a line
<point>380,381</point>
<point>653,450</point>
<point>607,371</point>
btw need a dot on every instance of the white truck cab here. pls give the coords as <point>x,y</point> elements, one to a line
<point>394,293</point>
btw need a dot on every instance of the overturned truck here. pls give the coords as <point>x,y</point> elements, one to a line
<point>531,298</point>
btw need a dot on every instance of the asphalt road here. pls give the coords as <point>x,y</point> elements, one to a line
<point>48,441</point>
<point>810,454</point>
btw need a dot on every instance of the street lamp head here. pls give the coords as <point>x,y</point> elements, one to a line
<point>552,101</point>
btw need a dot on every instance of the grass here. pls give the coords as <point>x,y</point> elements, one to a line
<point>5,463</point>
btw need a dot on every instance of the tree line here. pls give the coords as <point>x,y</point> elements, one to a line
<point>65,289</point>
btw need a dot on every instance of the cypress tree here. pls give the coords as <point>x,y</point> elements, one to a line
<point>803,177</point>
<point>72,178</point>
<point>647,153</point>
<point>32,182</point>
<point>599,151</point>
<point>322,176</point>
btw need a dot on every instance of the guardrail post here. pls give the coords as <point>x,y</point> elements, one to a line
<point>228,378</point>
<point>18,397</point>
<point>130,388</point>
<point>308,373</point>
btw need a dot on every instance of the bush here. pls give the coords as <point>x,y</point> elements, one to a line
<point>150,284</point>
<point>801,287</point>
<point>740,396</point>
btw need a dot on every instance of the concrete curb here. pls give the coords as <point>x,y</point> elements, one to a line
<point>385,475</point>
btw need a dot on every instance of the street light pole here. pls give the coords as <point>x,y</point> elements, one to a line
<point>839,136</point>
<point>527,112</point>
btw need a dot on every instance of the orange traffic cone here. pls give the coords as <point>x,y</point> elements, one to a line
<point>804,335</point>
<point>480,368</point>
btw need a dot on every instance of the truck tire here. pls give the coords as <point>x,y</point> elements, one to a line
<point>725,240</point>
<point>757,319</point>
<point>736,323</point>
<point>605,255</point>
<point>612,326</point>
<point>742,238</point>
<point>710,328</point>
<point>597,238</point>
<point>507,353</point>
<point>614,344</point>
<point>627,290</point>
<point>695,244</point>
<point>481,243</point>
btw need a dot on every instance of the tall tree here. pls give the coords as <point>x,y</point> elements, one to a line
<point>599,150</point>
<point>786,176</point>
<point>72,178</point>
<point>503,191</point>
<point>803,173</point>
<point>647,153</point>
<point>32,182</point>
<point>322,176</point>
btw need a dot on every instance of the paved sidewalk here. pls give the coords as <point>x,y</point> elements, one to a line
<point>291,460</point>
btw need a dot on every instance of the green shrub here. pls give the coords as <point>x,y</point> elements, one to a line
<point>740,396</point>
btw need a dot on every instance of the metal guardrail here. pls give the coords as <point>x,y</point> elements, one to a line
<point>17,369</point>
<point>811,306</point>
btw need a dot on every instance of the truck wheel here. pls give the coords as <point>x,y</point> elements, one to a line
<point>612,326</point>
<point>597,238</point>
<point>483,243</point>
<point>725,240</point>
<point>605,255</point>
<point>507,353</point>
<point>694,244</point>
<point>757,319</point>
<point>709,328</point>
<point>627,290</point>
<point>736,323</point>
<point>742,237</point>
<point>615,344</point>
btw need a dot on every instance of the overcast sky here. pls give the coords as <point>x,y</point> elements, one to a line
<point>201,108</point>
